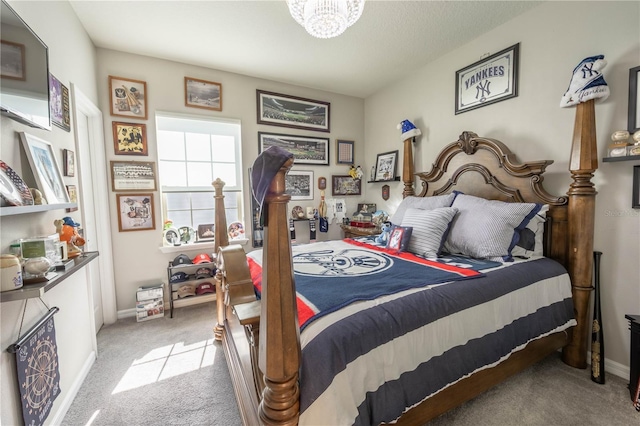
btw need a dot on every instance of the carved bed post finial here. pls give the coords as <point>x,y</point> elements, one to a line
<point>409,133</point>
<point>581,218</point>
<point>279,341</point>
<point>221,240</point>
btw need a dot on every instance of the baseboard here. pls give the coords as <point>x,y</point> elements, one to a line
<point>127,313</point>
<point>73,390</point>
<point>613,367</point>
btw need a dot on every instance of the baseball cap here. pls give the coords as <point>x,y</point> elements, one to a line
<point>186,290</point>
<point>178,277</point>
<point>204,273</point>
<point>182,259</point>
<point>205,288</point>
<point>201,258</point>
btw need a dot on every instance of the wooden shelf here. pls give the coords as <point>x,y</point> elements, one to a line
<point>622,158</point>
<point>395,179</point>
<point>14,210</point>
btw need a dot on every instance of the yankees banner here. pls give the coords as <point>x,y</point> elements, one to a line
<point>37,366</point>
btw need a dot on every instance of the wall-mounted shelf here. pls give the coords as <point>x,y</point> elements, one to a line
<point>14,210</point>
<point>623,158</point>
<point>395,179</point>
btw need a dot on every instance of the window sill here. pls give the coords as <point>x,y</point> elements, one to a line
<point>197,247</point>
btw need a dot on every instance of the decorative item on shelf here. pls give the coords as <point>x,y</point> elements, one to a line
<point>36,268</point>
<point>38,199</point>
<point>635,148</point>
<point>297,213</point>
<point>326,18</point>
<point>45,168</point>
<point>171,236</point>
<point>386,165</point>
<point>187,234</point>
<point>67,228</point>
<point>13,190</point>
<point>379,217</point>
<point>619,143</point>
<point>236,230</point>
<point>206,232</point>
<point>10,272</point>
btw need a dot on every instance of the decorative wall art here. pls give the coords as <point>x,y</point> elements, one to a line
<point>69,159</point>
<point>289,111</point>
<point>490,80</point>
<point>634,99</point>
<point>12,60</point>
<point>128,97</point>
<point>133,176</point>
<point>135,212</point>
<point>202,94</point>
<point>59,103</point>
<point>305,149</point>
<point>344,152</point>
<point>345,185</point>
<point>129,138</point>
<point>386,166</point>
<point>299,184</point>
<point>45,168</point>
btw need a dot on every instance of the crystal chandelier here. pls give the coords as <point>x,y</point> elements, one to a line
<point>326,18</point>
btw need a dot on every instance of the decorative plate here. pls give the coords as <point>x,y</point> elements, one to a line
<point>236,230</point>
<point>298,213</point>
<point>12,188</point>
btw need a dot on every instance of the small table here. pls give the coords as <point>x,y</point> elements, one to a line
<point>634,367</point>
<point>356,231</point>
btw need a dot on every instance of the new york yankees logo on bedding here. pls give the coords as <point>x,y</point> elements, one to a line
<point>340,263</point>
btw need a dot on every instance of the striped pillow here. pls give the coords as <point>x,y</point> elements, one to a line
<point>487,228</point>
<point>425,203</point>
<point>430,229</point>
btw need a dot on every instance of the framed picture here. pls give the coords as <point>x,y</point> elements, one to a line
<point>133,176</point>
<point>344,152</point>
<point>635,199</point>
<point>45,168</point>
<point>12,60</point>
<point>634,100</point>
<point>345,185</point>
<point>367,208</point>
<point>322,182</point>
<point>73,197</point>
<point>395,239</point>
<point>206,232</point>
<point>59,103</point>
<point>135,212</point>
<point>202,94</point>
<point>69,159</point>
<point>386,166</point>
<point>128,97</point>
<point>290,111</point>
<point>490,80</point>
<point>299,184</point>
<point>129,138</point>
<point>305,149</point>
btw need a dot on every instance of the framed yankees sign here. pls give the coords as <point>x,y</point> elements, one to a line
<point>490,80</point>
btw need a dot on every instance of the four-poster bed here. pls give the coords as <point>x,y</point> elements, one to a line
<point>262,338</point>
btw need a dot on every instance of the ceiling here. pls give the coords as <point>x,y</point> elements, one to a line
<point>261,39</point>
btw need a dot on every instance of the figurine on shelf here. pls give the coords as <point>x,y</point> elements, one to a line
<point>38,199</point>
<point>619,143</point>
<point>67,228</point>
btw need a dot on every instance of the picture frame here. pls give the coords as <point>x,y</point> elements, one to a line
<point>635,199</point>
<point>13,63</point>
<point>133,175</point>
<point>345,185</point>
<point>206,232</point>
<point>127,97</point>
<point>386,166</point>
<point>344,152</point>
<point>46,171</point>
<point>73,197</point>
<point>69,161</point>
<point>369,208</point>
<point>490,80</point>
<point>276,109</point>
<point>135,212</point>
<point>395,239</point>
<point>59,103</point>
<point>634,100</point>
<point>129,138</point>
<point>202,94</point>
<point>299,184</point>
<point>305,149</point>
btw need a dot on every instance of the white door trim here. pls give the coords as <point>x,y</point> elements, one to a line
<point>100,188</point>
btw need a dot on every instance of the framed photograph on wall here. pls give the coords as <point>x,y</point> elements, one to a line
<point>128,98</point>
<point>305,149</point>
<point>59,103</point>
<point>73,197</point>
<point>634,100</point>
<point>344,152</point>
<point>133,176</point>
<point>12,60</point>
<point>135,212</point>
<point>69,159</point>
<point>129,138</point>
<point>490,80</point>
<point>277,109</point>
<point>299,184</point>
<point>45,168</point>
<point>345,185</point>
<point>202,94</point>
<point>386,166</point>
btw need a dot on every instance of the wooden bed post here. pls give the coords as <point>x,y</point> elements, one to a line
<point>407,168</point>
<point>279,347</point>
<point>581,217</point>
<point>221,240</point>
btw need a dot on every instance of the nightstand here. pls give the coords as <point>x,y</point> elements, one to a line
<point>634,362</point>
<point>355,231</point>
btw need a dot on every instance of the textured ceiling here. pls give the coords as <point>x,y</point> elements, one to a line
<point>260,39</point>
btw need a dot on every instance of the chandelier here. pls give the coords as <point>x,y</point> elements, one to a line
<point>326,18</point>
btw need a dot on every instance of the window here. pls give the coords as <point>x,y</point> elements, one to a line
<point>193,151</point>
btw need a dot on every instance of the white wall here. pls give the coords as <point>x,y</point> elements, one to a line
<point>136,255</point>
<point>554,38</point>
<point>72,59</point>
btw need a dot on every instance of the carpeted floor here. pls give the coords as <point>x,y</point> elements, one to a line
<point>171,372</point>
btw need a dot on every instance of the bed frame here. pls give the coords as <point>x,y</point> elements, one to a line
<point>261,338</point>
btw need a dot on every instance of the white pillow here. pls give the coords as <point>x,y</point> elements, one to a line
<point>487,228</point>
<point>535,226</point>
<point>425,203</point>
<point>430,229</point>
